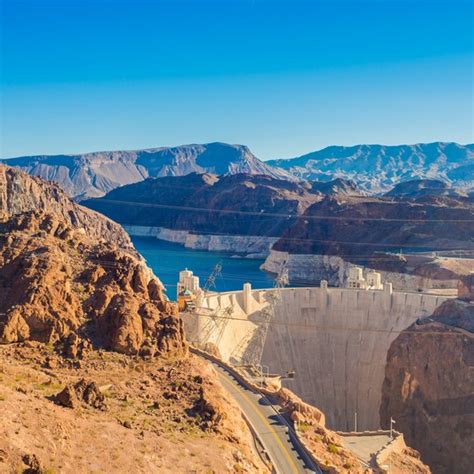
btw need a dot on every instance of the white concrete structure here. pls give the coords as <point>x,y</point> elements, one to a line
<point>356,279</point>
<point>247,297</point>
<point>188,282</point>
<point>374,280</point>
<point>336,339</point>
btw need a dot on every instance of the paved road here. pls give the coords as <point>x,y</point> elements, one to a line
<point>285,452</point>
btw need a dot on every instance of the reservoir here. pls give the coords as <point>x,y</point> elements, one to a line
<point>167,259</point>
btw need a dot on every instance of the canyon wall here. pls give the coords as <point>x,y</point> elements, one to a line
<point>336,340</point>
<point>309,268</point>
<point>429,387</point>
<point>252,246</point>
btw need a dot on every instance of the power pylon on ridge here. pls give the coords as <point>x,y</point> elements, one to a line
<point>211,279</point>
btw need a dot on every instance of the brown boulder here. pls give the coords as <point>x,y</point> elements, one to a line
<point>76,347</point>
<point>33,466</point>
<point>210,413</point>
<point>83,392</point>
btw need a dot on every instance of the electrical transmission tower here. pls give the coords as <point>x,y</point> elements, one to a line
<point>211,279</point>
<point>218,318</point>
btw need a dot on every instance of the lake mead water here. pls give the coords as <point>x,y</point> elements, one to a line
<point>168,259</point>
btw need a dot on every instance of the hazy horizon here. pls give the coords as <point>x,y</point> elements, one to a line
<point>234,144</point>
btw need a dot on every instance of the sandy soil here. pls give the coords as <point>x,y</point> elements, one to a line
<point>161,416</point>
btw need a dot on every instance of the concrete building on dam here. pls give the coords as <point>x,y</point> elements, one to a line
<point>335,339</point>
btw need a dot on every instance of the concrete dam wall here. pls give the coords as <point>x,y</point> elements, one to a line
<point>335,339</point>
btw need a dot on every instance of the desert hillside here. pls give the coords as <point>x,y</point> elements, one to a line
<point>76,303</point>
<point>193,203</point>
<point>360,225</point>
<point>108,412</point>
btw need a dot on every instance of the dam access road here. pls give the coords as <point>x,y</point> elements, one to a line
<point>275,434</point>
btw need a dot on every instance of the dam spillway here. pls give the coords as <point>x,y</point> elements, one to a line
<point>335,339</point>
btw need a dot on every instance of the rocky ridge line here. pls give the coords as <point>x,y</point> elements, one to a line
<point>69,275</point>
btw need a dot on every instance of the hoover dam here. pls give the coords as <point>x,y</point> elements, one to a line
<point>335,340</point>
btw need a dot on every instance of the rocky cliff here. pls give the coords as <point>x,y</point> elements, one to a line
<point>376,168</point>
<point>429,387</point>
<point>95,174</point>
<point>398,236</point>
<point>242,204</point>
<point>359,225</point>
<point>422,188</point>
<point>70,274</point>
<point>20,194</point>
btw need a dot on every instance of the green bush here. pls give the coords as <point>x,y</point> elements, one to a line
<point>333,449</point>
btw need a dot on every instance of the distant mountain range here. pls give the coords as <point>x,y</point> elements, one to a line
<point>377,168</point>
<point>95,174</point>
<point>374,169</point>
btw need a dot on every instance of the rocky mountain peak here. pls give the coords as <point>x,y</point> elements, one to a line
<point>67,271</point>
<point>377,168</point>
<point>94,174</point>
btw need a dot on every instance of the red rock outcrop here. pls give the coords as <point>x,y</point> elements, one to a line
<point>299,410</point>
<point>82,392</point>
<point>466,287</point>
<point>429,387</point>
<point>66,270</point>
<point>20,193</point>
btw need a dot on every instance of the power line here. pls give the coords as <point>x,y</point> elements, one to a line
<point>349,329</point>
<point>282,215</point>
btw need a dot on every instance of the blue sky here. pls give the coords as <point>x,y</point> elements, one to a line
<point>282,76</point>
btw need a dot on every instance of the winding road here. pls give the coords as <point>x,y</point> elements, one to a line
<point>273,431</point>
